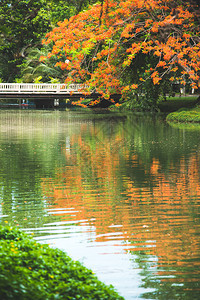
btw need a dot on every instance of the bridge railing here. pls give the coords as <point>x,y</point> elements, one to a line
<point>39,87</point>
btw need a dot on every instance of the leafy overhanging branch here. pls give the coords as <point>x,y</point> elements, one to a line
<point>101,45</point>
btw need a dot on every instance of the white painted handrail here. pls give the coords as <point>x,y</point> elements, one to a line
<point>40,88</point>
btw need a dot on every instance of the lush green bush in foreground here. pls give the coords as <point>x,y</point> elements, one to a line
<point>30,270</point>
<point>192,115</point>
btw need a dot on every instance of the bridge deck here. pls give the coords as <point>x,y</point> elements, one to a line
<point>48,91</point>
<point>42,90</point>
<point>38,88</point>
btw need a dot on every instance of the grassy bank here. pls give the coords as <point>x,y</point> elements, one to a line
<point>30,270</point>
<point>175,103</point>
<point>182,109</point>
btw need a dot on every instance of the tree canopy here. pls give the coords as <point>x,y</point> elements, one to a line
<point>24,23</point>
<point>123,46</point>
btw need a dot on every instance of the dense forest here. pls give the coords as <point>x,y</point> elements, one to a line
<point>129,47</point>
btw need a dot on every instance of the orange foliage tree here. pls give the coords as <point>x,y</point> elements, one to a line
<point>117,46</point>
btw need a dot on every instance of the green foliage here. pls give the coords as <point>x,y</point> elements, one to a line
<point>185,116</point>
<point>59,10</point>
<point>32,67</point>
<point>29,270</point>
<point>147,96</point>
<point>23,24</point>
<point>38,79</point>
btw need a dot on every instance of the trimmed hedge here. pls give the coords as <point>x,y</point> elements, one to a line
<point>185,116</point>
<point>30,270</point>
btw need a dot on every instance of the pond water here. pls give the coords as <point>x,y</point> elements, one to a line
<point>118,192</point>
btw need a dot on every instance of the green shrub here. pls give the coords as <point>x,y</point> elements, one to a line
<point>30,270</point>
<point>185,116</point>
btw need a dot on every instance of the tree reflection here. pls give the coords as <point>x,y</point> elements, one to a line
<point>144,177</point>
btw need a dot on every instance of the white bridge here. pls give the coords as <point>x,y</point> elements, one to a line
<point>19,89</point>
<point>45,94</point>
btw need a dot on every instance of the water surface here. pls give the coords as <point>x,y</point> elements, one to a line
<point>119,192</point>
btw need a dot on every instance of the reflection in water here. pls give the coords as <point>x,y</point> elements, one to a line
<point>120,193</point>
